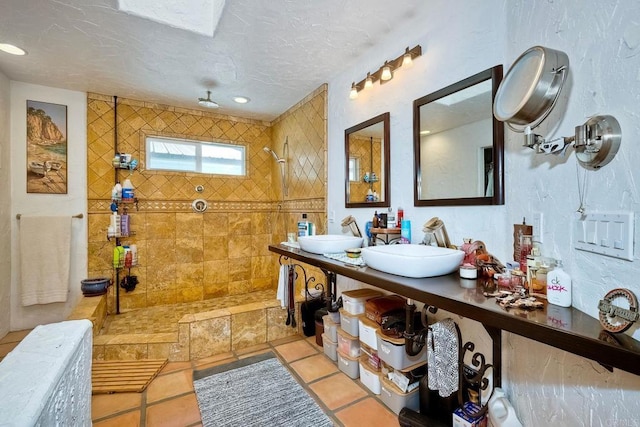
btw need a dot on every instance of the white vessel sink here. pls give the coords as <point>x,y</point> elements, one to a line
<point>413,260</point>
<point>328,243</point>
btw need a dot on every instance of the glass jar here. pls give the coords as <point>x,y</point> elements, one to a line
<point>526,244</point>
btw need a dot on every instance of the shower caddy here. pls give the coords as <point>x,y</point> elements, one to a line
<point>122,205</point>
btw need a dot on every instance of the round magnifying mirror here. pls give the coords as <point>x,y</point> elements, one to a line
<point>531,87</point>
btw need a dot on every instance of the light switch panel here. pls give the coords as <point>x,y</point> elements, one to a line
<point>606,233</point>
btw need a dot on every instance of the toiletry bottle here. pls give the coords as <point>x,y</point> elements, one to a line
<point>525,250</point>
<point>134,254</point>
<point>405,231</point>
<point>117,189</point>
<point>124,224</point>
<point>115,224</point>
<point>399,217</point>
<point>559,286</point>
<point>369,197</point>
<point>375,222</point>
<point>391,218</point>
<point>303,226</point>
<point>127,191</point>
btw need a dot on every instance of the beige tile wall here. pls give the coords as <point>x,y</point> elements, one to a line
<point>185,256</point>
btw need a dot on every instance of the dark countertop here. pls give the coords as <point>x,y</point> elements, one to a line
<point>568,329</point>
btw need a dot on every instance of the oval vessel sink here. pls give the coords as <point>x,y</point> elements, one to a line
<point>413,260</point>
<point>328,243</point>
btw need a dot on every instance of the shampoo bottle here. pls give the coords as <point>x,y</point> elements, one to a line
<point>559,286</point>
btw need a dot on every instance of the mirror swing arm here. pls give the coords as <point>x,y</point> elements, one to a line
<point>529,92</point>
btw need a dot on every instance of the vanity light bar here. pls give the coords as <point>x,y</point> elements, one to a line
<point>385,72</point>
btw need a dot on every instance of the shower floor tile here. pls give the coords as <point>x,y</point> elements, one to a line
<point>164,319</point>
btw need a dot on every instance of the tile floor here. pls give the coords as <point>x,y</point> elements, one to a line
<point>170,400</point>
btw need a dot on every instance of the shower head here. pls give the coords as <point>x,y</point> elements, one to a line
<point>273,153</point>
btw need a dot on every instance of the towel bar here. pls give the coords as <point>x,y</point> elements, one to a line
<point>72,216</point>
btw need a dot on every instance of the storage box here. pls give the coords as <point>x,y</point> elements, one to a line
<point>349,322</point>
<point>396,399</point>
<point>353,301</point>
<point>378,307</point>
<point>371,357</point>
<point>349,365</point>
<point>369,377</point>
<point>392,352</point>
<point>409,378</point>
<point>460,419</point>
<point>330,328</point>
<point>367,332</point>
<point>330,347</point>
<point>348,344</point>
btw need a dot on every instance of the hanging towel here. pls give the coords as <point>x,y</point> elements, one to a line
<point>281,293</point>
<point>442,357</point>
<point>45,247</point>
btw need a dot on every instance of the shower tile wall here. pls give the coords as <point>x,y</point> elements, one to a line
<point>369,158</point>
<point>184,256</point>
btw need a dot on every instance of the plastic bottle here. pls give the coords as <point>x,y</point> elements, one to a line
<point>391,218</point>
<point>559,286</point>
<point>501,411</point>
<point>405,231</point>
<point>115,224</point>
<point>127,191</point>
<point>117,190</point>
<point>124,225</point>
<point>303,226</point>
<point>399,217</point>
<point>134,254</point>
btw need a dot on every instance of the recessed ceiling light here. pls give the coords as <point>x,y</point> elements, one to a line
<point>13,50</point>
<point>241,99</point>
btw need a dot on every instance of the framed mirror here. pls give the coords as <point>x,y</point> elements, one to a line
<point>367,163</point>
<point>459,145</point>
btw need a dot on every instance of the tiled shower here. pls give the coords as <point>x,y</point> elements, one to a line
<point>185,256</point>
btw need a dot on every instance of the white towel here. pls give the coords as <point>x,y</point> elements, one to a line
<point>45,246</point>
<point>281,293</point>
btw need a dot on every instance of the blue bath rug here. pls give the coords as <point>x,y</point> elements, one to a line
<point>256,391</point>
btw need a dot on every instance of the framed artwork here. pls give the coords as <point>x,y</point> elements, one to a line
<point>46,148</point>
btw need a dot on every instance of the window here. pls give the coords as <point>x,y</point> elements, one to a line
<point>184,155</point>
<point>354,169</point>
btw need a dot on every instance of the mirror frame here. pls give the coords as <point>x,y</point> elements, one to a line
<point>495,74</point>
<point>384,118</point>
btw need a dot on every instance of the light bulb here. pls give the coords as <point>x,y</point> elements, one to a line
<point>354,92</point>
<point>13,50</point>
<point>407,61</point>
<point>386,73</point>
<point>368,83</point>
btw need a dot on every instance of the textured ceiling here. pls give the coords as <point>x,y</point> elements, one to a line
<point>273,51</point>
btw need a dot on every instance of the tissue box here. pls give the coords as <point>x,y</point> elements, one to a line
<point>460,419</point>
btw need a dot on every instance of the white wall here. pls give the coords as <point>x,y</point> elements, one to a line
<point>72,203</point>
<point>602,39</point>
<point>5,207</point>
<point>452,162</point>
